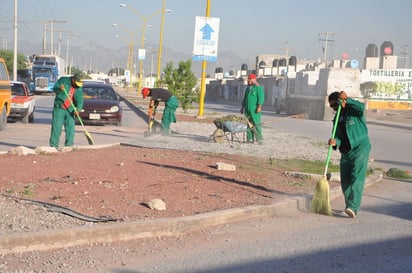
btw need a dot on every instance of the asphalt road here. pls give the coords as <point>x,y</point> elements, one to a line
<point>37,134</point>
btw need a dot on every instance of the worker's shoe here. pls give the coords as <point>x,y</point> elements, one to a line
<point>260,142</point>
<point>350,213</point>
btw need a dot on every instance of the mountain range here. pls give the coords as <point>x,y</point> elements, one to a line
<point>98,58</point>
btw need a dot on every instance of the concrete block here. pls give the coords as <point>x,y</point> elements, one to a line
<point>225,166</point>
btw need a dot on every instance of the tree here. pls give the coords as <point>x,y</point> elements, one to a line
<point>81,72</point>
<point>181,82</point>
<point>7,55</point>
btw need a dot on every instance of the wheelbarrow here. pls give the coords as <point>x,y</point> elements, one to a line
<point>230,131</point>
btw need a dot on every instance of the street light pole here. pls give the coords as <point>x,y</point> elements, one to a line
<point>203,76</point>
<point>159,52</point>
<point>130,54</point>
<point>139,85</point>
<point>145,19</point>
<point>15,43</point>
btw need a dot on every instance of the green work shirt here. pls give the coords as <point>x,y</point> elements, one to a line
<point>254,96</point>
<point>61,96</point>
<point>352,130</point>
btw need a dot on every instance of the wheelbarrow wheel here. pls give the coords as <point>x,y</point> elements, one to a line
<point>219,136</point>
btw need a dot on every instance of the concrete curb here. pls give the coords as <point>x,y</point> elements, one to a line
<point>113,232</point>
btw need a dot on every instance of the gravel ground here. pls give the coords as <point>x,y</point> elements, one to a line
<point>20,216</point>
<point>277,144</point>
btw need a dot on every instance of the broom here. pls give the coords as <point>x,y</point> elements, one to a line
<point>320,201</point>
<point>86,133</point>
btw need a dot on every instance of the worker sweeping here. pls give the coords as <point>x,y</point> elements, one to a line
<point>67,104</point>
<point>171,103</point>
<point>354,145</point>
<point>252,109</point>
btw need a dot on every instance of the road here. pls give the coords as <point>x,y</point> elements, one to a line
<point>37,134</point>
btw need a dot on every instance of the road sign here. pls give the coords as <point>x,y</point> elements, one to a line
<point>127,75</point>
<point>206,39</point>
<point>141,54</point>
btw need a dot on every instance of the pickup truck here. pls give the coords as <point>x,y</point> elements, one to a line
<point>5,94</point>
<point>22,103</point>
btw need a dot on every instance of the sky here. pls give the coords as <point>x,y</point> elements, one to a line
<point>247,28</point>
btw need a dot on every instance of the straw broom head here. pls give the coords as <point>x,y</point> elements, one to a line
<point>320,202</point>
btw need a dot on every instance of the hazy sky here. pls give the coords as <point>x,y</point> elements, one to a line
<point>247,28</point>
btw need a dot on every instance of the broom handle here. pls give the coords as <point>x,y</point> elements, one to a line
<point>335,125</point>
<point>74,107</point>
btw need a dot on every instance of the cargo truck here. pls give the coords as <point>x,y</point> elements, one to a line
<point>46,71</point>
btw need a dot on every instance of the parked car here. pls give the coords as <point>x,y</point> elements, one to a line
<point>23,103</point>
<point>101,104</point>
<point>5,94</point>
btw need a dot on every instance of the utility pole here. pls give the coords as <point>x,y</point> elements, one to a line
<point>68,33</point>
<point>405,56</point>
<point>286,49</point>
<point>45,38</point>
<point>51,33</point>
<point>325,38</point>
<point>15,43</point>
<point>66,69</point>
<point>4,43</point>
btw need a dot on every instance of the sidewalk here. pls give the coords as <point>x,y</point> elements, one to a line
<point>107,233</point>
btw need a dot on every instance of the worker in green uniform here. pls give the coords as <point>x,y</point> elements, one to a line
<point>252,109</point>
<point>67,90</point>
<point>171,103</point>
<point>354,145</point>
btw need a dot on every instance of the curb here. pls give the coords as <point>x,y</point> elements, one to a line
<point>109,233</point>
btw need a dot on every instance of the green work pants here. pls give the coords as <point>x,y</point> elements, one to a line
<point>353,168</point>
<point>169,114</point>
<point>62,117</point>
<point>256,131</point>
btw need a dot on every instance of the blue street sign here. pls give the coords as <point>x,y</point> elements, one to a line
<point>206,39</point>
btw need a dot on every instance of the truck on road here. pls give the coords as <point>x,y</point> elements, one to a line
<point>46,71</point>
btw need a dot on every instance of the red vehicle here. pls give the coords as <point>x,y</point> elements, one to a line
<point>22,103</point>
<point>101,104</point>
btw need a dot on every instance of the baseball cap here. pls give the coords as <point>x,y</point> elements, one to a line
<point>251,76</point>
<point>78,80</point>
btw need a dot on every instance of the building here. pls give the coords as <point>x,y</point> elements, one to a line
<point>297,87</point>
